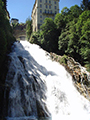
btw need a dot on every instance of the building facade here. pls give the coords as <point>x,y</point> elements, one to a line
<point>43,9</point>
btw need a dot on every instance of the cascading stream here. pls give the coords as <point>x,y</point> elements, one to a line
<point>41,89</point>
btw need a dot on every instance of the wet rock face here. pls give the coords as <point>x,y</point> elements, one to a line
<point>39,91</point>
<point>79,74</point>
<point>27,91</point>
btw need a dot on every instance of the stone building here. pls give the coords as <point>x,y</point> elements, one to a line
<point>14,21</point>
<point>43,9</point>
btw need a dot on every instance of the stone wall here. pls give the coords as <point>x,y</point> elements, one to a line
<point>19,32</point>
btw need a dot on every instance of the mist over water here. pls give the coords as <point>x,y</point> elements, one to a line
<point>41,87</point>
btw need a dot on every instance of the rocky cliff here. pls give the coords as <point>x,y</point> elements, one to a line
<point>79,74</point>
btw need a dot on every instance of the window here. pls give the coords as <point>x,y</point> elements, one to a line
<point>51,11</point>
<point>40,0</point>
<point>46,6</point>
<point>49,6</point>
<point>49,1</point>
<point>40,21</point>
<point>40,16</point>
<point>55,2</point>
<point>40,10</point>
<point>40,5</point>
<point>55,7</point>
<point>46,1</point>
<point>55,12</point>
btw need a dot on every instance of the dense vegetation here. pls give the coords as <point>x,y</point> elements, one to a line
<point>6,37</point>
<point>68,33</point>
<point>6,40</point>
<point>28,28</point>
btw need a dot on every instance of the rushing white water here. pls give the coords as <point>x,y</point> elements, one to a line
<point>40,87</point>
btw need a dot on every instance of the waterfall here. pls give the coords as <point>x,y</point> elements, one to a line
<point>39,88</point>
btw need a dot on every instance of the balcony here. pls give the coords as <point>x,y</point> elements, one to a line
<point>48,13</point>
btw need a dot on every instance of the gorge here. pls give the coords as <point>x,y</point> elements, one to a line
<point>38,88</point>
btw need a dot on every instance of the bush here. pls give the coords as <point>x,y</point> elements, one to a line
<point>63,60</point>
<point>34,38</point>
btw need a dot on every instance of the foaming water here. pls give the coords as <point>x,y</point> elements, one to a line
<point>40,84</point>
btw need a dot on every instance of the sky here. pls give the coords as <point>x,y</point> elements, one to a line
<point>22,9</point>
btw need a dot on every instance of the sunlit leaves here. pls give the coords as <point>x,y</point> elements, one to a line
<point>59,21</point>
<point>71,30</point>
<point>82,20</point>
<point>28,28</point>
<point>65,11</point>
<point>75,11</point>
<point>49,33</point>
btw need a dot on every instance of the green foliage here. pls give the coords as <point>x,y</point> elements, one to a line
<point>83,29</point>
<point>82,19</point>
<point>35,38</point>
<point>85,41</point>
<point>63,60</point>
<point>49,34</point>
<point>63,41</point>
<point>68,40</point>
<point>60,22</point>
<point>66,16</point>
<point>6,37</point>
<point>85,5</point>
<point>28,28</point>
<point>74,39</point>
<point>75,11</point>
<point>14,25</point>
<point>5,3</point>
<point>65,11</point>
<point>68,34</point>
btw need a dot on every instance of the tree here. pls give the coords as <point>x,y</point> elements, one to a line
<point>82,19</point>
<point>6,37</point>
<point>85,41</point>
<point>83,30</point>
<point>60,22</point>
<point>6,40</point>
<point>85,5</point>
<point>69,40</point>
<point>63,40</point>
<point>28,28</point>
<point>5,3</point>
<point>49,33</point>
<point>35,38</point>
<point>75,11</point>
<point>66,15</point>
<point>65,11</point>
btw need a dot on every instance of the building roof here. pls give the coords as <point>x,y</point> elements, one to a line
<point>14,19</point>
